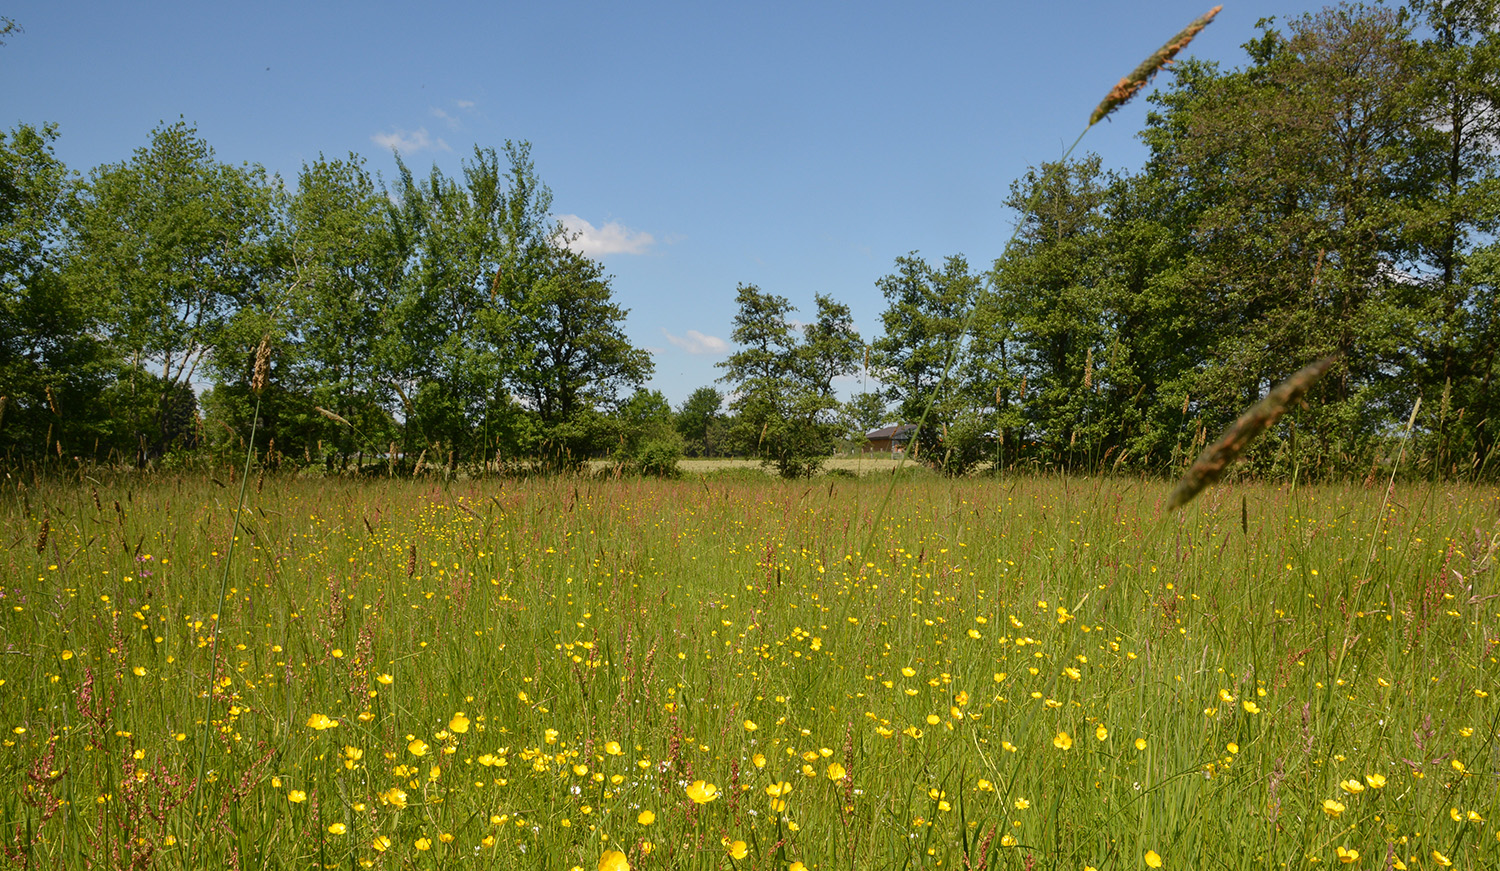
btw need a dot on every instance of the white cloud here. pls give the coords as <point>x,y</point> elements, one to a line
<point>452,122</point>
<point>409,141</point>
<point>465,104</point>
<point>697,343</point>
<point>612,238</point>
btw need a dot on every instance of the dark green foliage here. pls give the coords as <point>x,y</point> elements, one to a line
<point>785,407</point>
<point>701,423</point>
<point>863,413</point>
<point>52,364</point>
<point>649,441</point>
<point>926,311</point>
<point>570,331</point>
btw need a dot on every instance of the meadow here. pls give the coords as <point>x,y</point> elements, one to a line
<point>725,672</point>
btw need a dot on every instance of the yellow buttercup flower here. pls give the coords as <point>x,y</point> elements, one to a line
<point>321,722</point>
<point>1152,860</point>
<point>395,797</point>
<point>1347,856</point>
<point>418,747</point>
<point>613,860</point>
<point>701,792</point>
<point>338,829</point>
<point>836,772</point>
<point>1375,781</point>
<point>737,849</point>
<point>1332,808</point>
<point>1062,741</point>
<point>646,818</point>
<point>459,724</point>
<point>296,796</point>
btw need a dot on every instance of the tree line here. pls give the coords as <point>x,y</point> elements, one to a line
<point>444,316</point>
<point>1335,195</point>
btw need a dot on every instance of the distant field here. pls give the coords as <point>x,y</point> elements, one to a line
<point>858,465</point>
<point>736,673</point>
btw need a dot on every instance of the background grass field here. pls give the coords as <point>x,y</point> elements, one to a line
<point>1017,673</point>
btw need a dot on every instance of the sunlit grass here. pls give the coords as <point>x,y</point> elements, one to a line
<point>703,673</point>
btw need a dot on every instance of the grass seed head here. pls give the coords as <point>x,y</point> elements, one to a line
<point>332,416</point>
<point>1257,419</point>
<point>262,365</point>
<point>1132,84</point>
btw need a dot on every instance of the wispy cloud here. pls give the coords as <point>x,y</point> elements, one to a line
<point>409,141</point>
<point>465,104</point>
<point>695,342</point>
<point>612,238</point>
<point>452,122</point>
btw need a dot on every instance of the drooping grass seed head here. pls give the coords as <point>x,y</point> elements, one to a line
<point>1132,84</point>
<point>1238,437</point>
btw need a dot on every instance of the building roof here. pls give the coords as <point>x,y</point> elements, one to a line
<point>898,433</point>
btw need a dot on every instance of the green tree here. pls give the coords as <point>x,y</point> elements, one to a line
<point>864,412</point>
<point>342,264</point>
<point>696,421</point>
<point>1050,286</point>
<point>782,382</point>
<point>174,243</point>
<point>1302,169</point>
<point>52,367</point>
<point>1458,87</point>
<point>451,344</point>
<point>649,440</point>
<point>924,318</point>
<point>571,332</point>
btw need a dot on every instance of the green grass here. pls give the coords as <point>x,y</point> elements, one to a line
<point>568,654</point>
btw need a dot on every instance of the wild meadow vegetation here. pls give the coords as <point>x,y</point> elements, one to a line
<point>369,650</point>
<point>739,673</point>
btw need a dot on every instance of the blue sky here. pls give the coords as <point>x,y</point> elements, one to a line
<point>800,147</point>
